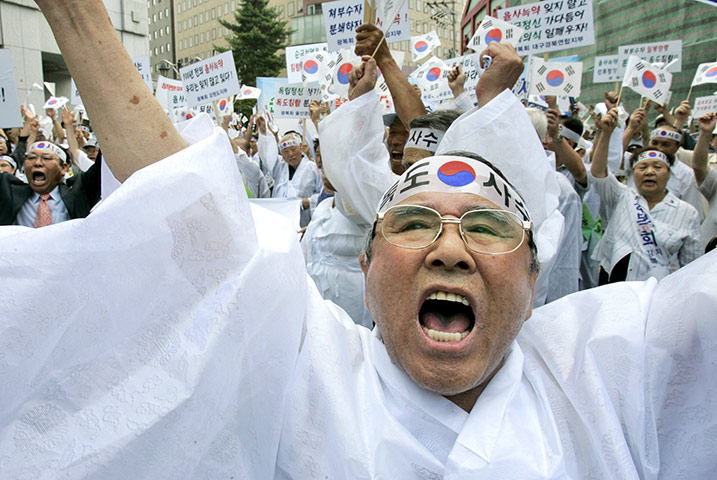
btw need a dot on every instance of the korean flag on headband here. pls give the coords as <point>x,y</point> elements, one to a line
<point>249,92</point>
<point>555,78</point>
<point>423,45</point>
<point>345,61</point>
<point>706,73</point>
<point>493,30</point>
<point>647,80</point>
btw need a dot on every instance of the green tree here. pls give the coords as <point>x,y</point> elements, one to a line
<point>256,35</point>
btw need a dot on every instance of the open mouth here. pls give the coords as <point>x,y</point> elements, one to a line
<point>446,317</point>
<point>38,177</point>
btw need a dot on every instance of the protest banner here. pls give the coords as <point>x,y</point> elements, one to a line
<point>423,45</point>
<point>268,86</point>
<point>657,54</point>
<point>555,78</point>
<point>341,18</point>
<point>9,103</point>
<point>647,80</point>
<point>606,69</point>
<point>704,105</point>
<point>294,54</point>
<point>469,69</point>
<point>706,73</point>
<point>210,79</point>
<point>431,78</point>
<point>400,29</point>
<point>552,25</point>
<point>292,100</point>
<point>493,30</point>
<point>145,70</point>
<point>386,10</point>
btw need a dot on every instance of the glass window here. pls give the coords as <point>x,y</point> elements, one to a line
<point>234,5</point>
<point>154,18</point>
<point>196,38</point>
<point>195,21</point>
<point>161,32</point>
<point>290,9</point>
<point>281,11</point>
<point>206,16</point>
<point>166,13</point>
<point>201,38</point>
<point>214,13</point>
<point>226,8</point>
<point>179,27</point>
<point>161,13</point>
<point>201,19</point>
<point>161,49</point>
<point>418,5</point>
<point>214,33</point>
<point>179,8</point>
<point>166,30</point>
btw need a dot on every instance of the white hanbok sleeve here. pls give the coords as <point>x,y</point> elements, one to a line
<point>163,335</point>
<point>354,157</point>
<point>268,153</point>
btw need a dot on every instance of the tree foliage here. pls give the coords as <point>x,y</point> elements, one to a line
<point>256,35</point>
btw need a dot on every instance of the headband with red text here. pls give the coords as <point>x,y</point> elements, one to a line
<point>49,147</point>
<point>665,133</point>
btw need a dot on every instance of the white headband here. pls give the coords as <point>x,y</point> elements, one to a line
<point>652,155</point>
<point>291,141</point>
<point>424,139</point>
<point>50,147</point>
<point>9,159</point>
<point>569,134</point>
<point>449,174</point>
<point>664,133</point>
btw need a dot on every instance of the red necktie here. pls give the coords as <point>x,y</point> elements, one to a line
<point>44,215</point>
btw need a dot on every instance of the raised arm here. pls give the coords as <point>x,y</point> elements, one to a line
<point>123,111</point>
<point>408,105</point>
<point>502,73</point>
<point>563,151</point>
<point>598,167</point>
<point>699,157</point>
<point>634,126</point>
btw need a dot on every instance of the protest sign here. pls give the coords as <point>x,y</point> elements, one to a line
<point>268,86</point>
<point>145,70</point>
<point>386,10</point>
<point>431,78</point>
<point>606,69</point>
<point>294,54</point>
<point>647,80</point>
<point>493,30</point>
<point>423,45</point>
<point>400,29</point>
<point>341,18</point>
<point>292,100</point>
<point>469,69</point>
<point>706,73</point>
<point>9,103</point>
<point>210,79</point>
<point>704,105</point>
<point>170,94</point>
<point>552,25</point>
<point>654,53</point>
<point>555,78</point>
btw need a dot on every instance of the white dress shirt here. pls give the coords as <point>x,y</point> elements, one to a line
<point>28,211</point>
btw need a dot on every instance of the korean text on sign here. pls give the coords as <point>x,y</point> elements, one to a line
<point>210,80</point>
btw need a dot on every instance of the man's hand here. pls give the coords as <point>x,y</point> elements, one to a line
<point>636,119</point>
<point>707,123</point>
<point>362,78</point>
<point>315,109</point>
<point>50,112</point>
<point>261,124</point>
<point>611,99</point>
<point>608,123</point>
<point>503,72</point>
<point>67,117</point>
<point>682,113</point>
<point>368,36</point>
<point>456,80</point>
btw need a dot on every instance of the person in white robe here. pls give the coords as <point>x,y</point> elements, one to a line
<point>217,359</point>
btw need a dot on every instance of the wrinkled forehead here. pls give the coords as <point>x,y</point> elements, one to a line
<point>446,174</point>
<point>447,204</point>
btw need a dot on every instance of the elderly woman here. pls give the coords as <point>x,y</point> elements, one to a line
<point>650,232</point>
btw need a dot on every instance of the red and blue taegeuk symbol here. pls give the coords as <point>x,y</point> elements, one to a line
<point>433,74</point>
<point>649,79</point>
<point>311,67</point>
<point>555,78</point>
<point>222,105</point>
<point>652,154</point>
<point>456,174</point>
<point>421,46</point>
<point>342,74</point>
<point>494,35</point>
<point>711,72</point>
<point>52,102</point>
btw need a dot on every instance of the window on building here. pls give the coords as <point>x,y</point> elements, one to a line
<point>154,18</point>
<point>201,19</point>
<point>166,13</point>
<point>290,9</point>
<point>194,3</point>
<point>201,37</point>
<point>281,11</point>
<point>226,8</point>
<point>179,8</point>
<point>234,5</point>
<point>417,28</point>
<point>161,49</point>
<point>166,30</point>
<point>195,23</point>
<point>196,38</point>
<point>155,34</point>
<point>214,13</point>
<point>156,50</point>
<point>161,14</point>
<point>161,32</point>
<point>410,4</point>
<point>214,33</point>
<point>179,27</point>
<point>419,6</point>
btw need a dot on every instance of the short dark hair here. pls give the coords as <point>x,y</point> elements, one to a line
<point>437,120</point>
<point>636,153</point>
<point>573,124</point>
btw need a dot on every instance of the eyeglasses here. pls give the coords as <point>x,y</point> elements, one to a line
<point>45,157</point>
<point>488,231</point>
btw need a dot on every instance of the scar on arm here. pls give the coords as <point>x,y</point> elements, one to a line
<point>134,100</point>
<point>163,134</point>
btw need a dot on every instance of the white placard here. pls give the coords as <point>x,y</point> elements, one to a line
<point>341,19</point>
<point>400,29</point>
<point>145,69</point>
<point>9,104</point>
<point>170,94</point>
<point>606,69</point>
<point>469,69</point>
<point>294,55</point>
<point>656,53</point>
<point>552,25</point>
<point>292,100</point>
<point>210,79</point>
<point>704,105</point>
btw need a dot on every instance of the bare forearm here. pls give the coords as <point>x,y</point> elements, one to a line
<point>407,103</point>
<point>598,167</point>
<point>699,157</point>
<point>122,109</point>
<point>572,162</point>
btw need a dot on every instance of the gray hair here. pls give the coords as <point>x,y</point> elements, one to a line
<point>437,120</point>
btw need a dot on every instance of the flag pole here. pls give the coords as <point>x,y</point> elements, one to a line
<point>619,95</point>
<point>689,93</point>
<point>383,37</point>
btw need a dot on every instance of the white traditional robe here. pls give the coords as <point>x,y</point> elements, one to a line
<point>173,334</point>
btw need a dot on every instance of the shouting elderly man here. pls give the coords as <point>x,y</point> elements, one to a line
<point>219,359</point>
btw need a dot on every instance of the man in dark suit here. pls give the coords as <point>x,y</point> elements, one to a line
<point>46,199</point>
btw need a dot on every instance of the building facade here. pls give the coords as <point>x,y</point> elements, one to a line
<point>160,20</point>
<point>36,57</point>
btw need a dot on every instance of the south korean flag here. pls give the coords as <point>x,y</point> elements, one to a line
<point>706,73</point>
<point>647,80</point>
<point>555,78</point>
<point>316,67</point>
<point>344,63</point>
<point>493,30</point>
